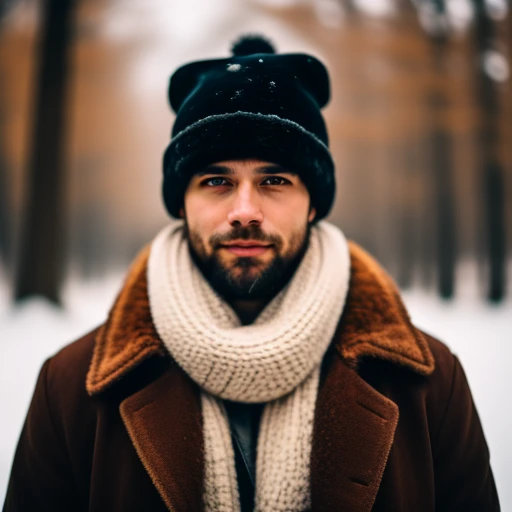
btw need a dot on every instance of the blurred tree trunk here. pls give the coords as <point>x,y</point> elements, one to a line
<point>406,218</point>
<point>442,171</point>
<point>492,176</point>
<point>41,258</point>
<point>5,208</point>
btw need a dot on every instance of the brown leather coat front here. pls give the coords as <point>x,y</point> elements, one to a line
<point>115,424</point>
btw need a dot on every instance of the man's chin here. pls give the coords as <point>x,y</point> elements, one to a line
<point>241,280</point>
<point>245,271</point>
<point>244,277</point>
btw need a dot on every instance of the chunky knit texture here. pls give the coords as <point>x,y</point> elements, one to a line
<point>276,360</point>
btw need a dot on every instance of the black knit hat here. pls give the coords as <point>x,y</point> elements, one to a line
<point>256,104</point>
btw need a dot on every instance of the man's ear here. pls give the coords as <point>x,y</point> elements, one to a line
<point>182,213</point>
<point>312,214</point>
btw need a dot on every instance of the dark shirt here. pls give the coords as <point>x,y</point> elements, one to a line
<point>244,421</point>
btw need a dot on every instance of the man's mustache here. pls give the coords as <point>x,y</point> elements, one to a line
<point>245,233</point>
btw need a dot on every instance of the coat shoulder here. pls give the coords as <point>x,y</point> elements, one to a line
<point>441,379</point>
<point>463,475</point>
<point>443,356</point>
<point>65,378</point>
<point>447,387</point>
<point>73,360</point>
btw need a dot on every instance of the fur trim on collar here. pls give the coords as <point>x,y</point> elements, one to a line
<point>374,324</point>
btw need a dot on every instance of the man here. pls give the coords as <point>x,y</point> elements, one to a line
<point>254,359</point>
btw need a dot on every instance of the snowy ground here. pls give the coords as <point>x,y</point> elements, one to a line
<point>478,333</point>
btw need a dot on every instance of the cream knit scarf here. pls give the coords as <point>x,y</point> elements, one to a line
<point>275,360</point>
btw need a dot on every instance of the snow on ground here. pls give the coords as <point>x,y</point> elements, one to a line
<point>479,333</point>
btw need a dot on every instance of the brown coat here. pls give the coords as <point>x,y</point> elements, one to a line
<point>115,424</point>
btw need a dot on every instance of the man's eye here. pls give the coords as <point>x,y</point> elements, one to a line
<point>214,182</point>
<point>275,180</point>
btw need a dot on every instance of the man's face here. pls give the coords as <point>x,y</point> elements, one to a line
<point>248,226</point>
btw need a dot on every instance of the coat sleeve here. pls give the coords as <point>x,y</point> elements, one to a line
<point>463,477</point>
<point>41,477</point>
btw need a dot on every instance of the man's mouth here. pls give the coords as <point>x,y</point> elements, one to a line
<point>246,248</point>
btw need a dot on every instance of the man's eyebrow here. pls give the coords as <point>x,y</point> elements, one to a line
<point>214,169</point>
<point>222,170</point>
<point>274,169</point>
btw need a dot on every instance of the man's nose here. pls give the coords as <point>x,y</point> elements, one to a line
<point>246,207</point>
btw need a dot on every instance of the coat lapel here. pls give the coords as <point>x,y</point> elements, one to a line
<point>352,436</point>
<point>163,421</point>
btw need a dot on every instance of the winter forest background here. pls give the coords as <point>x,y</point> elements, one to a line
<point>420,129</point>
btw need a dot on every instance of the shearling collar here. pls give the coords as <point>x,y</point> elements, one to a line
<point>374,324</point>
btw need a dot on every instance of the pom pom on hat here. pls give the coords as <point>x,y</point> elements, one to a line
<point>250,45</point>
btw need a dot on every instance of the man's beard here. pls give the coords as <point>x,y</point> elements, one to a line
<point>239,280</point>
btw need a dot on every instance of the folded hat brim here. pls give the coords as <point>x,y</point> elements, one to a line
<point>243,135</point>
